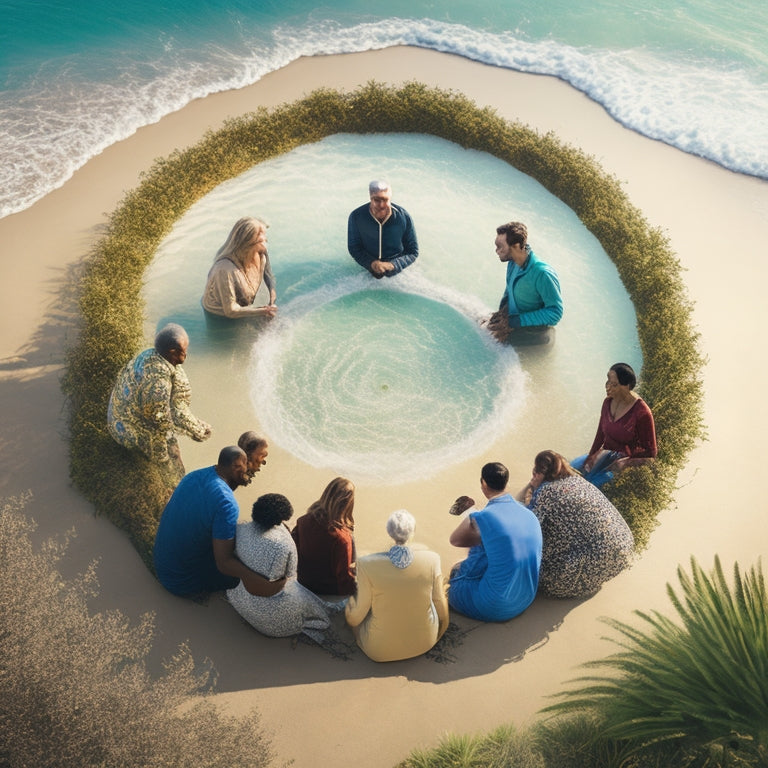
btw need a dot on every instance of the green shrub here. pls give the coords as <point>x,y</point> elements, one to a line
<point>74,687</point>
<point>698,684</point>
<point>504,747</point>
<point>132,495</point>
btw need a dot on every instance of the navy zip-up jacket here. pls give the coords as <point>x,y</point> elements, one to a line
<point>393,241</point>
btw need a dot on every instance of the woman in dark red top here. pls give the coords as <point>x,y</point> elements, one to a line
<point>324,541</point>
<point>626,434</point>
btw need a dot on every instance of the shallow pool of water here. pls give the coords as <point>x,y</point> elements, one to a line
<point>389,380</point>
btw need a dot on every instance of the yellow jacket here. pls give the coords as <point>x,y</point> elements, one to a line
<point>398,613</point>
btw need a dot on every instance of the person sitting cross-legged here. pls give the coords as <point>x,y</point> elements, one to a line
<point>498,579</point>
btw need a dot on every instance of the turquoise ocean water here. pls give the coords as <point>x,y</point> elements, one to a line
<point>75,78</point>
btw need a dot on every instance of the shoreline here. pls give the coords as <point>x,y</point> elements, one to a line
<point>690,199</point>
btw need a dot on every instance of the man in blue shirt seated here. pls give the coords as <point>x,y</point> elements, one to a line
<point>380,235</point>
<point>531,305</point>
<point>195,543</point>
<point>499,578</point>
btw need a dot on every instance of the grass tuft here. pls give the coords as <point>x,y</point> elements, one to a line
<point>74,685</point>
<point>697,684</point>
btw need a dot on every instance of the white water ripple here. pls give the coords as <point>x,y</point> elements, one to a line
<point>59,121</point>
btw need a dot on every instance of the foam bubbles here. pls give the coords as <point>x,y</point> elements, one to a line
<point>381,383</point>
<point>73,108</point>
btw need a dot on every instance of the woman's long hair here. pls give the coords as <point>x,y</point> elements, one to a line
<point>553,466</point>
<point>335,507</point>
<point>242,235</point>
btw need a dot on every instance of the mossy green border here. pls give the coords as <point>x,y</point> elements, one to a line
<point>131,492</point>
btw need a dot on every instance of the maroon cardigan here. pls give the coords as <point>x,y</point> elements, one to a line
<point>634,434</point>
<point>326,557</point>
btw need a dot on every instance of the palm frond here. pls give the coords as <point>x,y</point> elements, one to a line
<point>702,678</point>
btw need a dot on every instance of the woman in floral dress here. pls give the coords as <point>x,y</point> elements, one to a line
<point>585,539</point>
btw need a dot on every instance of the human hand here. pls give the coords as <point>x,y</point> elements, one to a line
<point>461,505</point>
<point>590,462</point>
<point>498,326</point>
<point>490,321</point>
<point>501,333</point>
<point>269,311</point>
<point>206,432</point>
<point>256,584</point>
<point>380,268</point>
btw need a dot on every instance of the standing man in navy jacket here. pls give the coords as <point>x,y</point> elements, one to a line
<point>380,235</point>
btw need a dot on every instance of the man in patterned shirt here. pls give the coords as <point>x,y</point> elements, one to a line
<point>150,403</point>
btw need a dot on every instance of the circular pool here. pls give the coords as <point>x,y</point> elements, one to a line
<point>395,379</point>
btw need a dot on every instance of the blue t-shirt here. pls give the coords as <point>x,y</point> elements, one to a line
<point>201,509</point>
<point>499,578</point>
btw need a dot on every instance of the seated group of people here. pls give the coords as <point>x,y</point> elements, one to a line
<point>559,536</point>
<point>381,238</point>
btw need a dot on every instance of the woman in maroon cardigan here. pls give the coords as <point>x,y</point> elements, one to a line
<point>626,434</point>
<point>324,541</point>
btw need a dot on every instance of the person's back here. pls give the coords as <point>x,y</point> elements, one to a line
<point>586,540</point>
<point>135,412</point>
<point>325,555</point>
<point>402,606</point>
<point>499,578</point>
<point>202,508</point>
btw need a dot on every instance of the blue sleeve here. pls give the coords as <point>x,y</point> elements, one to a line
<point>401,262</point>
<point>225,519</point>
<point>410,247</point>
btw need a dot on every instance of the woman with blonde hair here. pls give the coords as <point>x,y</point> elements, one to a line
<point>585,539</point>
<point>240,267</point>
<point>324,541</point>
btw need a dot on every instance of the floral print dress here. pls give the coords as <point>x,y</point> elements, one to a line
<point>585,539</point>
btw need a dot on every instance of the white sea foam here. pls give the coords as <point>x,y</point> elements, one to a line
<point>60,121</point>
<point>335,419</point>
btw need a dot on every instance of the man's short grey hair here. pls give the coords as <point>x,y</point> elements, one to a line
<point>171,336</point>
<point>251,441</point>
<point>401,525</point>
<point>378,185</point>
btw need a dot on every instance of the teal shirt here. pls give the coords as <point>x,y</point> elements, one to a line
<point>532,295</point>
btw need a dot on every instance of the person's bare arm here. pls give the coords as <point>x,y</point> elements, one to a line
<point>466,534</point>
<point>228,563</point>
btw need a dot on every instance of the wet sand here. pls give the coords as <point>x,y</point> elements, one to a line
<point>322,710</point>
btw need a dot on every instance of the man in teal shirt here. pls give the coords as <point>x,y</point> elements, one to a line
<point>531,305</point>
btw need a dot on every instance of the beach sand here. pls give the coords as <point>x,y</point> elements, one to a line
<point>322,710</point>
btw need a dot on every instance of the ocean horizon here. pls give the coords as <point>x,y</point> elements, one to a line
<point>693,75</point>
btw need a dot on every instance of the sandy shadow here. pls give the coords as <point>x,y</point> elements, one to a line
<point>220,638</point>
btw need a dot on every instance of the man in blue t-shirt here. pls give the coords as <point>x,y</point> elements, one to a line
<point>499,578</point>
<point>195,543</point>
<point>380,235</point>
